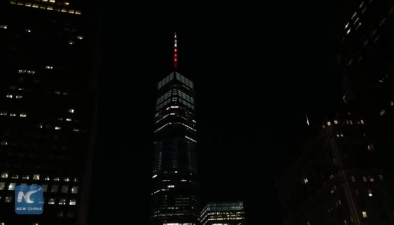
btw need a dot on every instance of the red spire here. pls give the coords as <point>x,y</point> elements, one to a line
<point>175,52</point>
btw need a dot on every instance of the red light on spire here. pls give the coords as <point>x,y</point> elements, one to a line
<point>175,52</point>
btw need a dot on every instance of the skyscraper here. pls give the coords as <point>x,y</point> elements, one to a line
<point>175,181</point>
<point>46,106</point>
<point>342,177</point>
<point>223,213</point>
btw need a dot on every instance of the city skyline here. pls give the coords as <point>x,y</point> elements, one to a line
<point>247,103</point>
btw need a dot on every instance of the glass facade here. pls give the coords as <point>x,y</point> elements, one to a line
<point>175,192</point>
<point>223,213</point>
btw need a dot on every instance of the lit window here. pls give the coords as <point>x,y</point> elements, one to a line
<point>11,187</point>
<point>80,37</point>
<point>371,179</point>
<point>18,96</point>
<point>365,179</point>
<point>74,190</point>
<point>8,96</point>
<point>364,214</point>
<point>71,110</point>
<point>50,8</point>
<point>336,121</point>
<point>58,128</point>
<point>68,119</point>
<point>370,147</point>
<point>73,202</point>
<point>3,26</point>
<point>62,201</point>
<point>36,177</point>
<point>382,112</point>
<point>328,123</point>
<point>370,193</point>
<point>78,12</point>
<point>66,3</point>
<point>23,115</point>
<point>45,187</point>
<point>49,67</point>
<point>2,185</point>
<point>8,199</point>
<point>4,143</point>
<point>4,175</point>
<point>51,201</point>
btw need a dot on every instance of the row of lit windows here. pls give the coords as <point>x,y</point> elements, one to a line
<point>54,188</point>
<point>5,175</point>
<point>344,122</point>
<point>46,7</point>
<point>179,77</point>
<point>23,115</point>
<point>369,178</point>
<point>51,201</point>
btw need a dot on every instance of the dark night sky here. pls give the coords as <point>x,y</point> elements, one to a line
<point>255,77</point>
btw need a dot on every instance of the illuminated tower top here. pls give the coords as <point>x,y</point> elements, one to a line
<point>175,52</point>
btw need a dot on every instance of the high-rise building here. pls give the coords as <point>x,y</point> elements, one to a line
<point>364,58</point>
<point>366,63</point>
<point>47,104</point>
<point>175,182</point>
<point>223,213</point>
<point>342,177</point>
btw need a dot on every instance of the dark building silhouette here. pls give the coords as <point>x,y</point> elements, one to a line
<point>341,178</point>
<point>223,213</point>
<point>175,182</point>
<point>47,104</point>
<point>345,175</point>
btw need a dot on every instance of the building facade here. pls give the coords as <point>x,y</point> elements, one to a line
<point>175,180</point>
<point>343,177</point>
<point>47,105</point>
<point>223,213</point>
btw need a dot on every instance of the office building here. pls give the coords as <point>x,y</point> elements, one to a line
<point>175,179</point>
<point>365,60</point>
<point>47,104</point>
<point>342,177</point>
<point>223,213</point>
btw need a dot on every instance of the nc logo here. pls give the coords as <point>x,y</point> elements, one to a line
<point>26,196</point>
<point>29,199</point>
